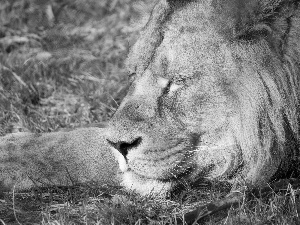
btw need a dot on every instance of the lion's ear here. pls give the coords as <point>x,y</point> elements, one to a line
<point>250,19</point>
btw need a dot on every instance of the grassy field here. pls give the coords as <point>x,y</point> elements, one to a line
<point>62,72</point>
<point>61,67</point>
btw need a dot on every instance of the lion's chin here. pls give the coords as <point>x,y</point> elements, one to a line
<point>145,186</point>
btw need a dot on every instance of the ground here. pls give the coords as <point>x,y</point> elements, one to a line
<point>61,67</point>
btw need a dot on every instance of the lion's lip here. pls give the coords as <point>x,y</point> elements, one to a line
<point>180,176</point>
<point>175,173</point>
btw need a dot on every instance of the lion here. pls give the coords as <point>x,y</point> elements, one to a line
<point>214,95</point>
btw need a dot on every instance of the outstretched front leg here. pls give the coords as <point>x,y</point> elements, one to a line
<point>58,158</point>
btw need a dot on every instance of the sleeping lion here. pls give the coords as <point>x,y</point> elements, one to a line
<point>214,95</point>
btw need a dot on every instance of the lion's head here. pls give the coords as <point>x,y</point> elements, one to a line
<point>214,94</point>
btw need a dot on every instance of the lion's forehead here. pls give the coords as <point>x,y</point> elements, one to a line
<point>186,53</point>
<point>190,43</point>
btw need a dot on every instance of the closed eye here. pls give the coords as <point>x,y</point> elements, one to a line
<point>168,86</point>
<point>131,77</point>
<point>174,87</point>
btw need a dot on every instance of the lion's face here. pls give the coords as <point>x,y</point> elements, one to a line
<point>192,91</point>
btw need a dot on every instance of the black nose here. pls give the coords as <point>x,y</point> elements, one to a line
<point>123,147</point>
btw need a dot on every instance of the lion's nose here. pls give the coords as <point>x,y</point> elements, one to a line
<point>123,147</point>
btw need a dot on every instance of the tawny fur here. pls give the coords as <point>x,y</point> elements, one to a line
<point>58,158</point>
<point>215,95</point>
<point>234,66</point>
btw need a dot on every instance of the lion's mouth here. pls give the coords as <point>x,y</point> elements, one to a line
<point>172,163</point>
<point>180,171</point>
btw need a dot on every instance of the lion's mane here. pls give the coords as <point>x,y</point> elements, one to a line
<point>272,103</point>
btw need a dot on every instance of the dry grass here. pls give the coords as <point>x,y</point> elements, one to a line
<point>66,74</point>
<point>66,71</point>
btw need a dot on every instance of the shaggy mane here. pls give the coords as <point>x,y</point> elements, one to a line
<point>271,29</point>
